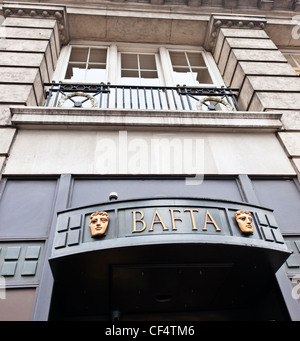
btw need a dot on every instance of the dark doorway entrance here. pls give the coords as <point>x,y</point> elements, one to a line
<point>169,283</point>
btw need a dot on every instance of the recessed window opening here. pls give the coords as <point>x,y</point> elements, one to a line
<point>189,68</point>
<point>87,64</point>
<point>158,66</point>
<point>139,69</point>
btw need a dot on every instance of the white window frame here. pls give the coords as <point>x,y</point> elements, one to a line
<point>63,62</point>
<point>143,52</point>
<point>163,62</point>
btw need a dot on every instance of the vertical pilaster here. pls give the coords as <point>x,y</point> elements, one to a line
<point>249,60</point>
<point>30,41</point>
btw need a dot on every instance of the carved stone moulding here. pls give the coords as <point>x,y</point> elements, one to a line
<point>231,21</point>
<point>57,13</point>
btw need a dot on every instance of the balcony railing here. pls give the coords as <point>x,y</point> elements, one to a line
<point>107,96</point>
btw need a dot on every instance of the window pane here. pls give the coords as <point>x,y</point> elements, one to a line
<point>149,74</point>
<point>195,59</point>
<point>75,72</point>
<point>96,73</point>
<point>183,76</point>
<point>178,58</point>
<point>147,61</point>
<point>98,56</point>
<point>87,65</point>
<point>130,73</point>
<point>189,68</point>
<point>79,54</point>
<point>139,69</point>
<point>202,76</point>
<point>129,61</point>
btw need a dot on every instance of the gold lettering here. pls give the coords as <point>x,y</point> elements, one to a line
<point>208,215</point>
<point>173,218</point>
<point>135,220</point>
<point>159,221</point>
<point>192,217</point>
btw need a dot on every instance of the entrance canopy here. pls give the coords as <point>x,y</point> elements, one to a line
<point>164,255</point>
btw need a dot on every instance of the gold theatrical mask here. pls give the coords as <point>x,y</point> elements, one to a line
<point>244,220</point>
<point>98,223</point>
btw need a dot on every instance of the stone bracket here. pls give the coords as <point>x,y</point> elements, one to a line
<point>217,22</point>
<point>33,11</point>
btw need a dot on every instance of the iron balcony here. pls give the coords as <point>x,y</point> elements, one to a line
<point>107,96</point>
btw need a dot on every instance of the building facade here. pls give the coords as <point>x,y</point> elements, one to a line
<point>170,117</point>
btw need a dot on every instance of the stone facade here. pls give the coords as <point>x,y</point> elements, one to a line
<point>245,39</point>
<point>247,57</point>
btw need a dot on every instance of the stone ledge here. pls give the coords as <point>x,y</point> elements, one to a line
<point>61,117</point>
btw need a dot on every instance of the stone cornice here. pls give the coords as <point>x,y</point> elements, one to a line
<point>38,11</point>
<point>231,21</point>
<point>227,5</point>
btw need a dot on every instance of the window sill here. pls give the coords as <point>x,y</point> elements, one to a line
<point>55,118</point>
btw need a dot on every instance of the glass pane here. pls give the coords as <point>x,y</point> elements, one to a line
<point>98,56</point>
<point>196,59</point>
<point>79,54</point>
<point>95,73</point>
<point>202,76</point>
<point>149,74</point>
<point>147,61</point>
<point>183,76</point>
<point>129,61</point>
<point>149,78</point>
<point>75,72</point>
<point>130,73</point>
<point>139,69</point>
<point>178,58</point>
